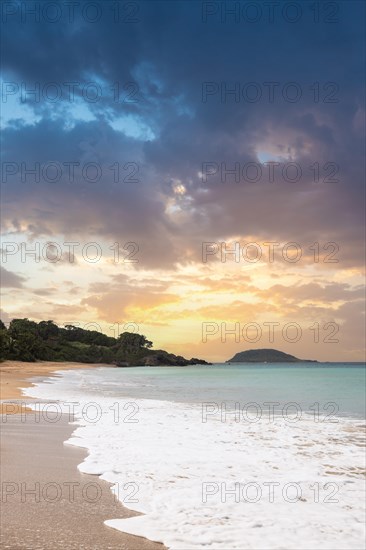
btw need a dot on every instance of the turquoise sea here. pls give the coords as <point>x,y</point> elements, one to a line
<point>224,457</point>
<point>306,384</point>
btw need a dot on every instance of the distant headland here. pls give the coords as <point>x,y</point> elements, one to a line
<point>266,356</point>
<point>27,340</point>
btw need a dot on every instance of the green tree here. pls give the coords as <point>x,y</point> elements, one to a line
<point>131,342</point>
<point>48,329</point>
<point>25,342</point>
<point>4,344</point>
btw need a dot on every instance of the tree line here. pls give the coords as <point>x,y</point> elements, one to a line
<point>27,340</point>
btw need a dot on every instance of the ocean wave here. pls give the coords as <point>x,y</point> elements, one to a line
<point>222,485</point>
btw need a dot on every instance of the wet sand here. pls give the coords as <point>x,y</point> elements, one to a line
<point>46,503</point>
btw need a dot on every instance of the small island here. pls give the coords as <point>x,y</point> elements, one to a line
<point>266,356</point>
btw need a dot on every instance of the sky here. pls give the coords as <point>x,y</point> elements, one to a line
<point>193,171</point>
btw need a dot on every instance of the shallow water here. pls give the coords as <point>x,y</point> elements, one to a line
<point>235,456</point>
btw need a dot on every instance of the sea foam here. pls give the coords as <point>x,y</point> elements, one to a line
<point>219,485</point>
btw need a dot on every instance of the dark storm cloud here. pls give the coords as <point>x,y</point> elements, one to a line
<point>170,54</point>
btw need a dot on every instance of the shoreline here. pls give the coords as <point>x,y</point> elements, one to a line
<point>46,501</point>
<point>16,375</point>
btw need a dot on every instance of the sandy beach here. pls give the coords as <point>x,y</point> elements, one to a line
<point>46,502</point>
